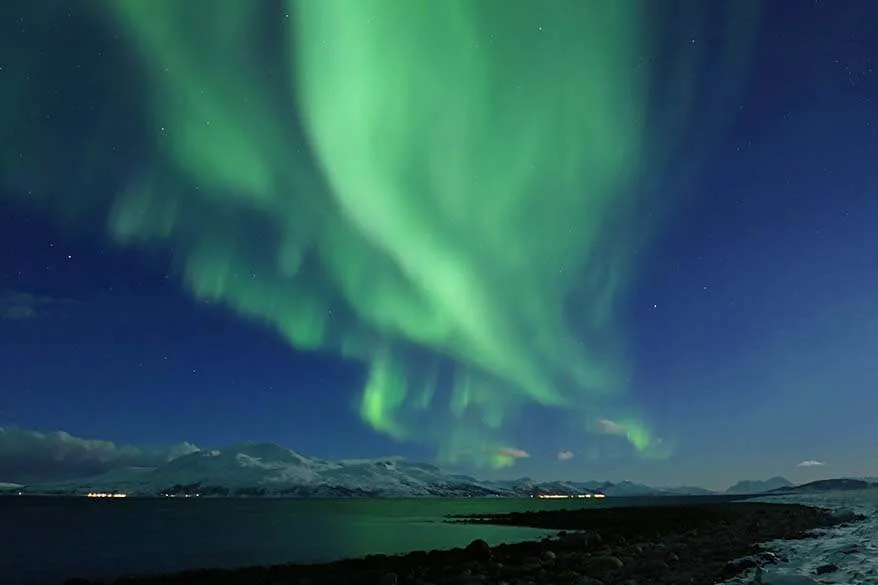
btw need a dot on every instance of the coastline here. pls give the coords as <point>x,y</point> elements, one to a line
<point>676,545</point>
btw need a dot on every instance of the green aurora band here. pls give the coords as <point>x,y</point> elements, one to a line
<point>452,192</point>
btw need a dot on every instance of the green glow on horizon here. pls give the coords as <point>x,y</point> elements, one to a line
<point>465,187</point>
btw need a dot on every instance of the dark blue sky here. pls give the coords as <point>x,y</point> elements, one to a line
<point>753,323</point>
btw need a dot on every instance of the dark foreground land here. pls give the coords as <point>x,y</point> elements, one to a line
<point>680,545</point>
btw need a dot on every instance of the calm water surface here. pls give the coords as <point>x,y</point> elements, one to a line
<point>50,539</point>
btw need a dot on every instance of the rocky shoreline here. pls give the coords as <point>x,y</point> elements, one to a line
<point>673,545</point>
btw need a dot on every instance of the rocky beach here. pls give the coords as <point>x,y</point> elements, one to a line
<point>674,545</point>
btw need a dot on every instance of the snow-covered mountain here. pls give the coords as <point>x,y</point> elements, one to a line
<point>526,485</point>
<point>266,469</point>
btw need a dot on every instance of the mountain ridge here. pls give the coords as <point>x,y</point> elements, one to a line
<point>824,485</point>
<point>749,486</point>
<point>270,470</point>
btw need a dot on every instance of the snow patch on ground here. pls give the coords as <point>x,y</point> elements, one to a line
<point>845,554</point>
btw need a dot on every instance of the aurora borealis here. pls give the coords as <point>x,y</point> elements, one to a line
<point>467,189</point>
<point>461,199</point>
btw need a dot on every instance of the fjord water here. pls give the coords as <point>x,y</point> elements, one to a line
<point>45,539</point>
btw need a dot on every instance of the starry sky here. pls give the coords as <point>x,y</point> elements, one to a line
<point>576,240</point>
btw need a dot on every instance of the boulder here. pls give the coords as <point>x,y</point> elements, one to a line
<point>603,564</point>
<point>478,550</point>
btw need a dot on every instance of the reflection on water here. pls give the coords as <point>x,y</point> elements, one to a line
<point>57,538</point>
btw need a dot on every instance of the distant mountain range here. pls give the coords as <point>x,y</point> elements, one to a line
<point>266,469</point>
<point>780,485</point>
<point>825,485</point>
<point>269,470</point>
<point>748,486</point>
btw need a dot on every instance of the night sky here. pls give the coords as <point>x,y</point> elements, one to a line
<point>568,240</point>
